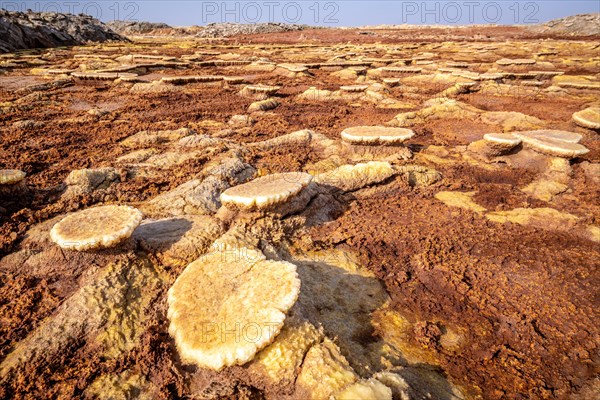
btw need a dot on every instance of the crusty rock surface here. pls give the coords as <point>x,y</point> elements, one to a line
<point>574,25</point>
<point>49,29</point>
<point>240,290</point>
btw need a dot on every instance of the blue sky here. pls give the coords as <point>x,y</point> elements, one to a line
<point>325,13</point>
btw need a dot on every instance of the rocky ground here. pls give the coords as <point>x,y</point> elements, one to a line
<point>575,25</point>
<point>213,30</point>
<point>142,28</point>
<point>28,30</point>
<point>457,268</point>
<point>136,28</point>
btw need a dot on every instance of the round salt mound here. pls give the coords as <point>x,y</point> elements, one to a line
<point>554,147</point>
<point>354,88</point>
<point>226,306</point>
<point>266,190</point>
<point>553,134</point>
<point>293,67</point>
<point>588,118</point>
<point>376,135</point>
<point>502,139</point>
<point>97,227</point>
<point>263,88</point>
<point>11,176</point>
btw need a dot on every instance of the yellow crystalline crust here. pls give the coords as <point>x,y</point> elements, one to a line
<point>96,227</point>
<point>325,371</point>
<point>10,176</point>
<point>553,147</point>
<point>352,177</point>
<point>588,118</point>
<point>376,135</point>
<point>266,190</point>
<point>370,389</point>
<point>281,359</point>
<point>228,305</point>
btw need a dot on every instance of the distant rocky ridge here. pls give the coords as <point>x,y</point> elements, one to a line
<point>135,27</point>
<point>29,30</point>
<point>143,28</point>
<point>582,25</point>
<point>575,25</point>
<point>227,29</point>
<point>20,30</point>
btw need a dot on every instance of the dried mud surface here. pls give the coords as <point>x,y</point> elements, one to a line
<point>461,304</point>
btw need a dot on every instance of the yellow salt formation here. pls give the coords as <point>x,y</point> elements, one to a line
<point>228,305</point>
<point>314,94</point>
<point>527,216</point>
<point>281,359</point>
<point>324,371</point>
<point>553,142</point>
<point>259,91</point>
<point>505,140</point>
<point>366,389</point>
<point>462,200</point>
<point>181,80</point>
<point>494,144</point>
<point>11,176</point>
<point>103,76</point>
<point>263,105</point>
<point>376,135</point>
<point>266,191</point>
<point>576,82</point>
<point>588,118</point>
<point>354,88</point>
<point>353,177</point>
<point>96,227</point>
<point>516,61</point>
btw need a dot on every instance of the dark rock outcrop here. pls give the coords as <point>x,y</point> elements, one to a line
<point>30,30</point>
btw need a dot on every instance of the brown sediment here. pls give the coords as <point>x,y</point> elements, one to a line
<point>512,289</point>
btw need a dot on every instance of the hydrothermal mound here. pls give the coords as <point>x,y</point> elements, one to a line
<point>444,247</point>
